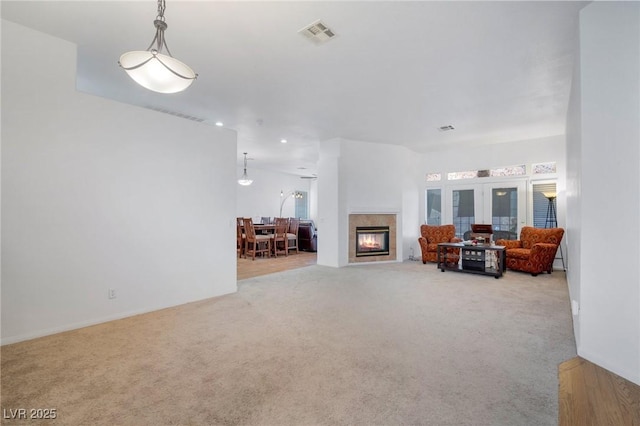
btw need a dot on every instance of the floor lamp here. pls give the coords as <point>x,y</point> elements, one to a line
<point>552,219</point>
<point>294,194</point>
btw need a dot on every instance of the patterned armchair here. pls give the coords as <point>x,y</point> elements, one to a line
<point>535,251</point>
<point>432,235</point>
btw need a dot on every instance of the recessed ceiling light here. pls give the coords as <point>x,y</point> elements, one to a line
<point>283,141</point>
<point>219,123</point>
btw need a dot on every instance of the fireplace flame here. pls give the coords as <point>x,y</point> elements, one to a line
<point>369,242</point>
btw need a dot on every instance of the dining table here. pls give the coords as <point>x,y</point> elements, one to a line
<point>264,228</point>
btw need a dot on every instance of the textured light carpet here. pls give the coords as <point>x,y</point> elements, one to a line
<point>387,344</point>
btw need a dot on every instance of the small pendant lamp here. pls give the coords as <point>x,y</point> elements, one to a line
<point>244,179</point>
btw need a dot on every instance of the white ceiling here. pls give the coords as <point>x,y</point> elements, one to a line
<point>395,73</point>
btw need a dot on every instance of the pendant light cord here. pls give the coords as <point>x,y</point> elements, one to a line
<point>159,40</point>
<point>161,7</point>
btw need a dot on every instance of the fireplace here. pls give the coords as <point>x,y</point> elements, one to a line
<point>373,237</point>
<point>372,241</point>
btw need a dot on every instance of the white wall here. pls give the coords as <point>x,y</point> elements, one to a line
<point>362,177</point>
<point>262,197</point>
<point>330,207</point>
<point>313,199</point>
<point>99,195</point>
<point>606,136</point>
<point>574,186</point>
<point>411,197</point>
<point>540,150</point>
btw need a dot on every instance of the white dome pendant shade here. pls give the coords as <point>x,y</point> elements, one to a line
<point>244,180</point>
<point>154,70</point>
<point>157,72</point>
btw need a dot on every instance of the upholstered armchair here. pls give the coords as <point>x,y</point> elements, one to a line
<point>535,251</point>
<point>432,235</point>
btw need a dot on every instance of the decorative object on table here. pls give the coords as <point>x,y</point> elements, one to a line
<point>431,236</point>
<point>283,197</point>
<point>535,251</point>
<point>480,228</point>
<point>154,70</point>
<point>552,220</point>
<point>244,179</point>
<point>482,233</point>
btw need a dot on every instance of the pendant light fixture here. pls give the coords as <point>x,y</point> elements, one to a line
<point>154,70</point>
<point>244,179</point>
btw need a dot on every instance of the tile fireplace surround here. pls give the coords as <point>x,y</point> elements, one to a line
<point>372,219</point>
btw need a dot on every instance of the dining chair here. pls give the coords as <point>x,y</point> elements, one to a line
<point>255,243</point>
<point>292,234</point>
<point>280,236</point>
<point>240,236</point>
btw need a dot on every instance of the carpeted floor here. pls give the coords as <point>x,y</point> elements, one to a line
<point>387,344</point>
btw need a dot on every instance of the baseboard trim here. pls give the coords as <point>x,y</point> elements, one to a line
<point>96,321</point>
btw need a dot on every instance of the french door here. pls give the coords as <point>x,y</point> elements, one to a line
<point>501,204</point>
<point>465,207</point>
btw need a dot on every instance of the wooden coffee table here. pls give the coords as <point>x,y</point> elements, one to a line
<point>481,259</point>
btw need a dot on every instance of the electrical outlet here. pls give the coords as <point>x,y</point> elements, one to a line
<point>575,307</point>
<point>112,293</point>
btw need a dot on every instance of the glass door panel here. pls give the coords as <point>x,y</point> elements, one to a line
<point>463,203</point>
<point>504,209</point>
<point>434,207</point>
<point>505,206</point>
<point>542,206</point>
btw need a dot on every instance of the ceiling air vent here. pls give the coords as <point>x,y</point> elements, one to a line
<point>446,128</point>
<point>177,114</point>
<point>318,32</point>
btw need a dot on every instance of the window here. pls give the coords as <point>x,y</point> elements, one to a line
<point>510,171</point>
<point>520,170</point>
<point>543,168</point>
<point>434,207</point>
<point>469,174</point>
<point>302,211</point>
<point>504,209</point>
<point>544,213</point>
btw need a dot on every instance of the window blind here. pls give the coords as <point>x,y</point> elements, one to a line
<point>541,204</point>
